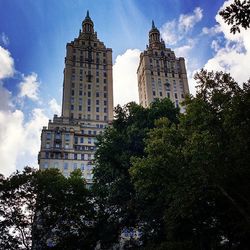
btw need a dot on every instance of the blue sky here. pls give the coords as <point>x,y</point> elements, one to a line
<point>33,36</point>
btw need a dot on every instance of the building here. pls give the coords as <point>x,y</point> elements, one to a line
<point>160,73</point>
<point>68,142</point>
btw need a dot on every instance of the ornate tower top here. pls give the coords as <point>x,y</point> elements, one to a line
<point>154,36</point>
<point>87,24</point>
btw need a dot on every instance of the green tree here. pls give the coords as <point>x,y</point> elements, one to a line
<point>193,182</point>
<point>237,15</point>
<point>17,209</point>
<point>113,190</point>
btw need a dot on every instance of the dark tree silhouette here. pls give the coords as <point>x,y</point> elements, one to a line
<point>237,15</point>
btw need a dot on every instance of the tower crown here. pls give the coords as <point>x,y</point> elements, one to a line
<point>154,35</point>
<point>87,24</point>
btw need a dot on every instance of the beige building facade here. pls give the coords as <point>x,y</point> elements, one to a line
<point>68,142</point>
<point>160,73</point>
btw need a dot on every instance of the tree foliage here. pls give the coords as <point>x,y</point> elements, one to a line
<point>193,183</point>
<point>237,15</point>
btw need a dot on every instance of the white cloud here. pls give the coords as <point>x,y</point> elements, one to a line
<point>183,51</point>
<point>187,22</point>
<point>54,106</point>
<point>19,140</point>
<point>174,31</point>
<point>125,77</point>
<point>29,87</point>
<point>6,64</point>
<point>211,31</point>
<point>5,95</point>
<point>234,56</point>
<point>5,39</point>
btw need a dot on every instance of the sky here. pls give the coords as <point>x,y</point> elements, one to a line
<point>33,37</point>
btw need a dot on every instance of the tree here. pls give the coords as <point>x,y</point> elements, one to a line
<point>237,15</point>
<point>45,210</point>
<point>193,182</point>
<point>17,209</point>
<point>112,188</point>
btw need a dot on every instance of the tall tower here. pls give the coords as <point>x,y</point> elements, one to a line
<point>68,142</point>
<point>160,73</point>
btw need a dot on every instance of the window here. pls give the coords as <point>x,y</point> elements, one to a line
<point>47,155</point>
<point>81,140</point>
<point>105,95</point>
<point>168,94</point>
<point>105,103</point>
<point>89,132</point>
<point>80,108</point>
<point>153,92</point>
<point>89,108</point>
<point>48,136</point>
<point>105,110</point>
<point>97,117</point>
<point>65,166</point>
<point>72,107</point>
<point>45,165</point>
<point>97,102</point>
<point>80,92</point>
<point>89,140</point>
<point>89,94</point>
<point>66,156</point>
<point>72,100</point>
<point>76,139</point>
<point>82,166</point>
<point>104,80</point>
<point>97,94</point>
<point>175,95</point>
<point>105,88</point>
<point>47,145</point>
<point>97,79</point>
<point>75,156</point>
<point>67,137</point>
<point>105,118</point>
<point>160,93</point>
<point>97,109</point>
<point>56,165</point>
<point>89,101</point>
<point>72,92</point>
<point>176,103</point>
<point>74,166</point>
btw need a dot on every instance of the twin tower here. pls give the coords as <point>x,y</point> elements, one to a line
<point>68,143</point>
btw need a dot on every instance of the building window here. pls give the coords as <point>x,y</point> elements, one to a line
<point>168,94</point>
<point>89,108</point>
<point>89,101</point>
<point>105,103</point>
<point>89,140</point>
<point>72,100</point>
<point>97,109</point>
<point>97,94</point>
<point>72,92</point>
<point>75,156</point>
<point>76,139</point>
<point>160,93</point>
<point>45,165</point>
<point>48,136</point>
<point>82,166</point>
<point>65,166</point>
<point>153,93</point>
<point>66,156</point>
<point>97,117</point>
<point>80,92</point>
<point>105,118</point>
<point>97,102</point>
<point>105,95</point>
<point>176,103</point>
<point>47,145</point>
<point>72,107</point>
<point>105,110</point>
<point>81,140</point>
<point>97,79</point>
<point>175,95</point>
<point>104,81</point>
<point>74,166</point>
<point>80,108</point>
<point>89,94</point>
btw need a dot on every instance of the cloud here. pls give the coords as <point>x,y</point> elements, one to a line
<point>174,31</point>
<point>211,31</point>
<point>54,106</point>
<point>19,139</point>
<point>187,22</point>
<point>125,77</point>
<point>5,39</point>
<point>29,87</point>
<point>6,64</point>
<point>234,56</point>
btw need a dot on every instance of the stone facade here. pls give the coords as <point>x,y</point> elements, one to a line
<point>160,73</point>
<point>87,107</point>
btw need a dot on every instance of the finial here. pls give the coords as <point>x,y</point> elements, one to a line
<point>87,16</point>
<point>153,24</point>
